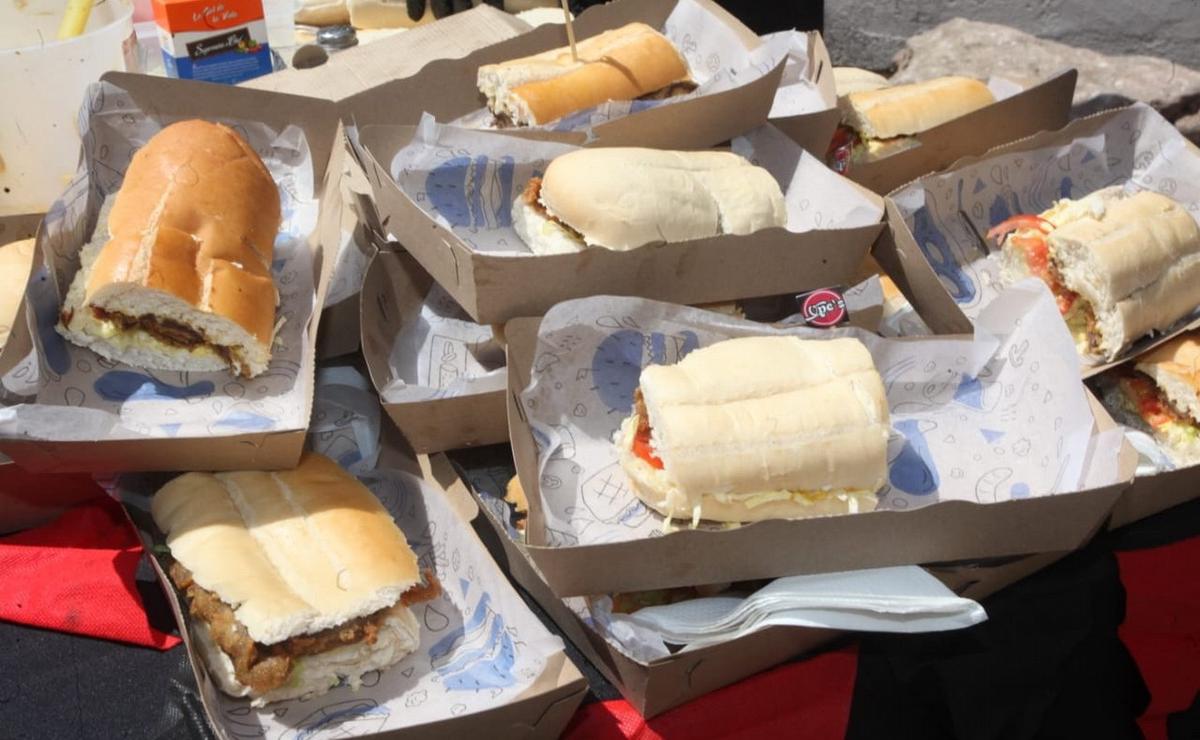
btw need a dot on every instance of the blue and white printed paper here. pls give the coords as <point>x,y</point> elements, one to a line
<point>999,417</point>
<point>82,396</point>
<point>467,181</point>
<point>442,353</point>
<point>950,213</point>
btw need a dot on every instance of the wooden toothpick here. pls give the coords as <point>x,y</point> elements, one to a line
<point>570,30</point>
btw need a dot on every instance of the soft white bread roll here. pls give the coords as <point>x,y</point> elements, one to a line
<point>15,260</point>
<point>322,12</point>
<point>182,278</point>
<point>848,80</point>
<point>621,64</point>
<point>905,110</point>
<point>624,198</point>
<point>1135,259</point>
<point>385,14</point>
<point>294,553</point>
<point>1175,368</point>
<point>760,428</point>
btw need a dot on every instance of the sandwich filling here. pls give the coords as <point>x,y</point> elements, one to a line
<point>642,446</point>
<point>504,118</point>
<point>114,327</point>
<point>848,147</point>
<point>1026,243</point>
<point>264,668</point>
<point>1140,396</point>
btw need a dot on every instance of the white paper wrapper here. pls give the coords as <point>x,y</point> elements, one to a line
<point>716,57</point>
<point>442,353</point>
<point>999,417</point>
<point>467,181</point>
<point>797,94</point>
<point>345,419</point>
<point>903,599</point>
<point>949,213</point>
<point>81,396</point>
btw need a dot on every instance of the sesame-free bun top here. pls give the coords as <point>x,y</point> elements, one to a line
<point>623,198</point>
<point>905,110</point>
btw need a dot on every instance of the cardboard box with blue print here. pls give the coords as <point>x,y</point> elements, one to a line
<point>968,473</point>
<point>74,408</point>
<point>939,250</point>
<point>481,663</point>
<point>457,200</point>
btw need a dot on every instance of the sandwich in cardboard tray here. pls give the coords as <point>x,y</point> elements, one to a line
<point>879,122</point>
<point>624,198</point>
<point>1160,395</point>
<point>759,428</point>
<point>633,62</point>
<point>297,581</point>
<point>178,274</point>
<point>1120,265</point>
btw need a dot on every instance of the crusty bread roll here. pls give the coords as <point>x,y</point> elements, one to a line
<point>621,199</point>
<point>1133,260</point>
<point>905,110</point>
<point>759,428</point>
<point>848,80</point>
<point>292,553</point>
<point>181,278</point>
<point>621,64</point>
<point>322,12</point>
<point>15,260</point>
<point>385,14</point>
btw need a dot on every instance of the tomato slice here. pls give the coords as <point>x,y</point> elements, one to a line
<point>841,148</point>
<point>1149,401</point>
<point>1020,221</point>
<point>641,448</point>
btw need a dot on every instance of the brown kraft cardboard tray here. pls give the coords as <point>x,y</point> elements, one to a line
<point>669,682</point>
<point>1043,107</point>
<point>947,531</point>
<point>493,288</point>
<point>393,289</point>
<point>447,88</point>
<point>172,99</point>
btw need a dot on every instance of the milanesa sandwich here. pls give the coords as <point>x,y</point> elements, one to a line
<point>296,581</point>
<point>633,62</point>
<point>1120,266</point>
<point>624,198</point>
<point>1161,396</point>
<point>759,428</point>
<point>879,123</point>
<point>180,276</point>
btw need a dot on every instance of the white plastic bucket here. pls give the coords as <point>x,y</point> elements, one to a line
<point>42,84</point>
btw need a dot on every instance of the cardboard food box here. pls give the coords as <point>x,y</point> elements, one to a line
<point>447,195</point>
<point>1043,107</point>
<point>808,75</point>
<point>459,403</point>
<point>935,249</point>
<point>83,413</point>
<point>486,664</point>
<point>984,506</point>
<point>655,687</point>
<point>709,38</point>
<point>14,228</point>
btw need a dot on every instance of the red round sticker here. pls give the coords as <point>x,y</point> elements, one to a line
<point>824,308</point>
